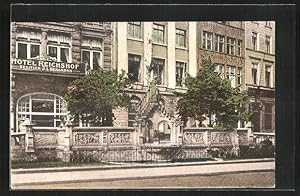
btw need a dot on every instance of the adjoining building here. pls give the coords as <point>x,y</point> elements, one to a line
<point>260,73</point>
<point>45,58</point>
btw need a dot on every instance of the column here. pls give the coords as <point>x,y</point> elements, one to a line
<point>147,49</point>
<point>171,65</point>
<point>122,63</point>
<point>44,41</point>
<point>192,63</point>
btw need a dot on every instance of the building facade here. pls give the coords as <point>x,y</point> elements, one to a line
<point>45,58</point>
<point>260,73</point>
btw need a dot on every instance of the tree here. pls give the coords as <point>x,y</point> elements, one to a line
<point>208,94</point>
<point>92,97</point>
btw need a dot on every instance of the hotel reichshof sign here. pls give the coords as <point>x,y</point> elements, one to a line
<point>46,66</point>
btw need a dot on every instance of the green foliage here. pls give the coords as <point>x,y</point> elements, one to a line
<point>93,96</point>
<point>209,94</point>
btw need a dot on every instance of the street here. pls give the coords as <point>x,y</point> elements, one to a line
<point>230,174</point>
<point>237,180</point>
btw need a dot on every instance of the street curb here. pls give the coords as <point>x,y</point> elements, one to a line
<point>133,166</point>
<point>137,178</point>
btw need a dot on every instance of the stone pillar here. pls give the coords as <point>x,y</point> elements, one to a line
<point>67,141</point>
<point>192,65</point>
<point>147,49</point>
<point>44,42</point>
<point>171,65</point>
<point>29,137</point>
<point>235,143</point>
<point>122,47</point>
<point>142,134</point>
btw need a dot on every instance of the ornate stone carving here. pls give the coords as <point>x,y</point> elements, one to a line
<point>243,138</point>
<point>193,138</point>
<point>120,138</point>
<point>45,139</point>
<point>220,138</point>
<point>87,139</point>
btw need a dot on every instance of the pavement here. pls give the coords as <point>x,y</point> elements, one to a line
<point>22,177</point>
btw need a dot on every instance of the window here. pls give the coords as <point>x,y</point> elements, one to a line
<point>43,109</point>
<point>239,76</point>
<point>180,38</point>
<point>230,74</point>
<point>134,62</point>
<point>134,30</point>
<point>268,44</point>
<point>219,46</point>
<point>158,69</point>
<point>133,110</point>
<point>230,46</point>
<point>239,48</point>
<point>268,76</point>
<point>92,59</point>
<point>207,40</point>
<point>254,41</point>
<point>158,33</point>
<point>254,73</point>
<point>268,115</point>
<point>180,73</point>
<point>59,53</point>
<point>220,69</point>
<point>28,50</point>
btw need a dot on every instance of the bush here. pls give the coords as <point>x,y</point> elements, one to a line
<point>83,157</point>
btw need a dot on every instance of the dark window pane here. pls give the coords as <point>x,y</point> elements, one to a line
<point>34,51</point>
<point>42,106</point>
<point>96,60</point>
<point>133,67</point>
<point>64,54</point>
<point>22,51</point>
<point>53,52</point>
<point>43,120</point>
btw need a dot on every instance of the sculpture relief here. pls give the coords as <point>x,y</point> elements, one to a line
<point>45,139</point>
<point>87,139</point>
<point>193,138</point>
<point>120,138</point>
<point>220,138</point>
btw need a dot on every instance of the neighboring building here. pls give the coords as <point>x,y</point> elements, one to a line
<point>45,58</point>
<point>260,73</point>
<point>223,42</point>
<point>161,51</point>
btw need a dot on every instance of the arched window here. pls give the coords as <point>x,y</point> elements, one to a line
<point>42,109</point>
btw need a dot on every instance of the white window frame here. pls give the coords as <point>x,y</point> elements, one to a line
<point>91,57</point>
<point>207,37</point>
<point>231,45</point>
<point>220,68</point>
<point>256,47</point>
<point>256,66</point>
<point>163,71</point>
<point>268,51</point>
<point>239,47</point>
<point>157,27</point>
<point>179,33</point>
<point>239,75</point>
<point>134,25</point>
<point>184,72</point>
<point>30,113</point>
<point>28,45</point>
<point>231,74</point>
<point>220,39</point>
<point>270,79</point>
<point>59,51</point>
